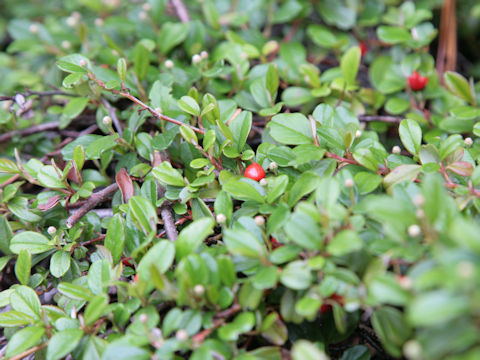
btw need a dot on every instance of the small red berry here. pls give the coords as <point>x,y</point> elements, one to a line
<point>363,48</point>
<point>417,82</point>
<point>135,279</point>
<point>327,307</point>
<point>255,172</point>
<point>275,243</point>
<point>126,262</point>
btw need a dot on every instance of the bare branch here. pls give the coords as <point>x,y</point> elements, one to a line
<point>181,10</point>
<point>113,114</point>
<point>30,130</point>
<point>382,118</point>
<point>94,200</point>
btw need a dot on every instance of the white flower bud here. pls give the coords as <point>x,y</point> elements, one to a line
<point>107,120</point>
<point>263,182</point>
<point>221,218</point>
<point>196,59</point>
<point>198,290</point>
<point>71,21</point>
<point>244,55</point>
<point>83,62</point>
<point>358,133</point>
<point>396,149</point>
<point>204,54</point>
<point>98,22</point>
<point>468,141</point>
<point>143,318</point>
<point>66,44</point>
<point>412,350</point>
<point>414,230</point>
<point>33,29</point>
<point>419,200</point>
<point>349,183</point>
<point>169,64</point>
<point>273,166</point>
<point>181,335</point>
<point>465,269</point>
<point>52,230</point>
<point>146,7</point>
<point>157,333</point>
<point>142,15</point>
<point>259,220</point>
<point>76,15</point>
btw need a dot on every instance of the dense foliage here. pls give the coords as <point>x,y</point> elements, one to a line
<point>129,228</point>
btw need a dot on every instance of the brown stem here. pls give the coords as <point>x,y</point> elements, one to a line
<point>99,238</point>
<point>113,114</point>
<point>93,201</point>
<point>141,104</point>
<point>30,130</point>
<point>32,350</point>
<point>221,316</point>
<point>382,118</point>
<point>181,10</point>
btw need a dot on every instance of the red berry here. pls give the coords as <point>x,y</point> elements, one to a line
<point>417,82</point>
<point>135,278</point>
<point>327,307</point>
<point>275,243</point>
<point>363,48</point>
<point>255,172</point>
<point>126,262</point>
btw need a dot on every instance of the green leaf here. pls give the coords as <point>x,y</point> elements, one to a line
<point>192,236</point>
<point>296,96</point>
<point>74,108</point>
<point>459,86</point>
<point>296,276</point>
<point>411,135</point>
<point>188,134</point>
<point>437,307</point>
<point>144,213</point>
<point>304,231</point>
<point>100,145</point>
<point>141,61</point>
<point>349,64</point>
<point>95,308</point>
<point>25,300</point>
<point>305,350</point>
<point>71,63</point>
<point>272,82</point>
<point>189,105</point>
<point>344,242</point>
<point>402,173</point>
<point>14,318</point>
<point>291,129</point>
<point>244,190</point>
<point>161,255</point>
<point>75,292</point>
<point>393,34</point>
<point>23,340</point>
<point>240,128</point>
<point>23,266</point>
<point>305,184</point>
<point>241,242</point>
<point>63,342</point>
<point>60,263</point>
<point>392,329</point>
<point>48,177</point>
<point>6,235</point>
<point>260,93</point>
<point>171,35</point>
<point>166,174</point>
<point>276,187</point>
<point>115,237</point>
<point>8,166</point>
<point>34,242</point>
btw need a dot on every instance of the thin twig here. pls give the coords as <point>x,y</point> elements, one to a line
<point>141,104</point>
<point>29,351</point>
<point>221,316</point>
<point>113,114</point>
<point>382,118</point>
<point>28,93</point>
<point>30,130</point>
<point>165,209</point>
<point>181,10</point>
<point>93,201</point>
